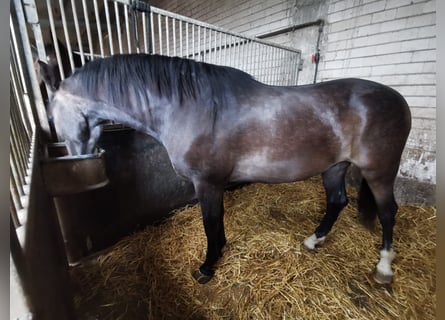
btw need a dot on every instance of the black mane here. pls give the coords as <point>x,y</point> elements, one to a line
<point>117,77</point>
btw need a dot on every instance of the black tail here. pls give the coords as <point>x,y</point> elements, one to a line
<point>367,206</point>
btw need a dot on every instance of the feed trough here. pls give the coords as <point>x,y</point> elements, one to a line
<point>66,174</point>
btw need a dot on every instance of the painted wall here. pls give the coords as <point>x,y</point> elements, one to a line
<point>389,41</point>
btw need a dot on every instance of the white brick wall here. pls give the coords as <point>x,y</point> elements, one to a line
<point>389,41</point>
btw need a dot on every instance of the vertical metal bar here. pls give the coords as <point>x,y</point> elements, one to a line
<point>181,49</point>
<point>269,63</point>
<point>20,141</point>
<point>17,178</point>
<point>199,42</point>
<point>118,23</point>
<point>275,69</point>
<point>76,25</point>
<point>220,48</point>
<point>295,69</point>
<point>13,211</point>
<point>252,58</point>
<point>99,28</point>
<point>174,36</point>
<point>215,45</point>
<point>237,53</point>
<point>54,37</point>
<point>245,43</point>
<point>149,32</point>
<point>144,32</point>
<point>210,47</point>
<point>230,52</point>
<point>291,69</point>
<point>260,62</point>
<point>160,33</point>
<point>204,51</point>
<point>87,26</point>
<point>193,41</point>
<point>127,29</point>
<point>152,33</point>
<point>209,59</point>
<point>187,35</point>
<point>167,36</point>
<point>225,49</point>
<point>19,162</point>
<point>109,33</point>
<point>280,59</point>
<point>19,100</point>
<point>13,187</point>
<point>67,37</point>
<point>134,14</point>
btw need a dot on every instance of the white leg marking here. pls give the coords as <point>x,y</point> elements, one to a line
<point>312,241</point>
<point>384,265</point>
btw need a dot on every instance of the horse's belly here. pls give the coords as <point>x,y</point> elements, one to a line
<point>258,168</point>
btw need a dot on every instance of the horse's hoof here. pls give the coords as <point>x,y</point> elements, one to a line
<point>201,278</point>
<point>310,243</point>
<point>381,278</point>
<point>310,249</point>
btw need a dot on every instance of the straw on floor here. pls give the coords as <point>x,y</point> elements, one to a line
<point>265,272</point>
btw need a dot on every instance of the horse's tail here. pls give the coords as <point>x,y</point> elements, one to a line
<point>367,206</point>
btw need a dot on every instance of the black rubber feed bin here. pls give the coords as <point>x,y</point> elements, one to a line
<point>129,184</point>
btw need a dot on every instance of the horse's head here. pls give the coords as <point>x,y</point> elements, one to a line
<point>49,71</point>
<point>75,126</point>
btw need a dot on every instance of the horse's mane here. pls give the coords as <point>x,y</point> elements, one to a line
<point>144,76</point>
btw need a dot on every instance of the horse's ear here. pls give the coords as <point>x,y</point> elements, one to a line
<point>49,75</point>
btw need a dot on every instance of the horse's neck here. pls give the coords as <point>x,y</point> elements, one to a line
<point>104,111</point>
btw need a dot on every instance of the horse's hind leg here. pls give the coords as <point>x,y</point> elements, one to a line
<point>211,201</point>
<point>383,191</point>
<point>336,200</point>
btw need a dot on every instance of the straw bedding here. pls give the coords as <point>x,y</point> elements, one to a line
<point>265,272</point>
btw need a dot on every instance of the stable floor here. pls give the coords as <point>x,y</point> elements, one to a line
<point>265,272</point>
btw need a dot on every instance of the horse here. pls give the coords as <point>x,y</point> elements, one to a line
<point>220,126</point>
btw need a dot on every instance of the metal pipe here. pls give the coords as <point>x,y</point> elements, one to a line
<point>144,32</point>
<point>118,24</point>
<point>160,34</point>
<point>109,33</point>
<point>67,37</point>
<point>317,53</point>
<point>290,29</point>
<point>127,29</point>
<point>87,25</point>
<point>167,36</point>
<point>152,30</point>
<point>181,49</point>
<point>174,37</point>
<point>99,28</point>
<point>76,25</point>
<point>54,37</point>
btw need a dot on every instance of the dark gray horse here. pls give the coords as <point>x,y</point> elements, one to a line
<point>220,126</point>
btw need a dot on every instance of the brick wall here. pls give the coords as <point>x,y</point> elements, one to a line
<point>389,41</point>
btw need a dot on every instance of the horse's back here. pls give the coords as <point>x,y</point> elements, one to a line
<point>296,132</point>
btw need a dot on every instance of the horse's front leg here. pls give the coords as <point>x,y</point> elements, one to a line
<point>211,200</point>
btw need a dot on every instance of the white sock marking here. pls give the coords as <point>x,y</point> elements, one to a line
<point>384,265</point>
<point>312,241</point>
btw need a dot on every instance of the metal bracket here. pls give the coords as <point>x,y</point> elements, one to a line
<point>140,6</point>
<point>144,7</point>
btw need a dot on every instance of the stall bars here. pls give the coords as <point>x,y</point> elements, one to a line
<point>101,28</point>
